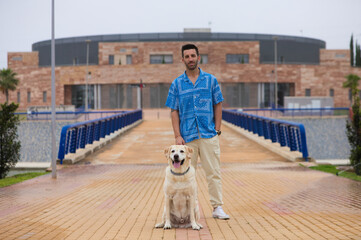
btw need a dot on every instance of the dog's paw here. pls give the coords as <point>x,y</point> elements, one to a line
<point>196,226</point>
<point>167,226</point>
<point>159,225</point>
<point>200,225</point>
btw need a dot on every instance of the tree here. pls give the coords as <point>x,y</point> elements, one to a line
<point>351,52</point>
<point>9,144</point>
<point>8,81</point>
<point>358,55</point>
<point>352,83</point>
<point>353,127</point>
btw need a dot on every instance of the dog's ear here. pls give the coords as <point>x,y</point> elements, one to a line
<point>189,151</point>
<point>167,151</point>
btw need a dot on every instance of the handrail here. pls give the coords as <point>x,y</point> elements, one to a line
<point>78,135</point>
<point>34,115</point>
<point>290,134</point>
<point>295,109</point>
<point>292,112</point>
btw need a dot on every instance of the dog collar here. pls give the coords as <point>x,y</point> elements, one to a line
<point>180,174</point>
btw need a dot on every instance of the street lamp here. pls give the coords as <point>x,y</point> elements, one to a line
<point>53,97</point>
<point>275,38</point>
<point>87,74</point>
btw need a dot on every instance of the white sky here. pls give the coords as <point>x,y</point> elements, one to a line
<point>24,22</point>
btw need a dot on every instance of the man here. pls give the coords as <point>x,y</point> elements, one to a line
<point>195,99</point>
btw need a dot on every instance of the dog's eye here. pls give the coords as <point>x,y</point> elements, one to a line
<point>173,151</point>
<point>181,151</point>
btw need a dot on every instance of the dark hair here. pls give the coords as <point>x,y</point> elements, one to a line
<point>189,46</point>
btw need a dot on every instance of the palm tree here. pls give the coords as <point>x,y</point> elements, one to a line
<point>8,81</point>
<point>352,83</point>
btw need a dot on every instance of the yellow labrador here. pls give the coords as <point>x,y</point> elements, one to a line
<point>180,190</point>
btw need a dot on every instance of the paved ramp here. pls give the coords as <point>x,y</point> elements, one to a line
<point>117,194</point>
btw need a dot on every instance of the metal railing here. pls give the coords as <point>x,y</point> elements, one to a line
<point>78,135</point>
<point>290,134</point>
<point>297,112</point>
<point>67,115</point>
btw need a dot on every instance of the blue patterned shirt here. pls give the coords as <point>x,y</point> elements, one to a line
<point>195,105</point>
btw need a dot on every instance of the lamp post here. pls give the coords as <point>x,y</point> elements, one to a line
<point>275,38</point>
<point>87,74</point>
<point>53,150</point>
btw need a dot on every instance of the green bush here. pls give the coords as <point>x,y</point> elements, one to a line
<point>353,127</point>
<point>9,144</point>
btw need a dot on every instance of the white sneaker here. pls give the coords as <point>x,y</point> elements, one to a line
<point>219,213</point>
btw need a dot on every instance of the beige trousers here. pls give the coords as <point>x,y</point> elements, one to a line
<point>209,152</point>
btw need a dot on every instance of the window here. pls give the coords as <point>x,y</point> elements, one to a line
<point>29,97</point>
<point>129,59</point>
<point>111,59</point>
<point>17,58</point>
<point>44,96</point>
<point>204,59</point>
<point>340,55</point>
<point>18,97</point>
<point>282,59</point>
<point>308,92</point>
<point>122,50</point>
<point>135,50</point>
<point>75,61</point>
<point>350,94</point>
<point>332,92</point>
<point>237,58</point>
<point>161,59</point>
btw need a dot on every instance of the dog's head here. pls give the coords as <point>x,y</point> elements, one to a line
<point>179,157</point>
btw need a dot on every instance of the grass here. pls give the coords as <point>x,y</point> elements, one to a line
<point>19,178</point>
<point>332,169</point>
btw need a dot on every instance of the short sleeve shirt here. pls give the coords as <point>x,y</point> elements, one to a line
<point>195,104</point>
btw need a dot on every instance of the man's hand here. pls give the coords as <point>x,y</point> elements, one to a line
<point>179,141</point>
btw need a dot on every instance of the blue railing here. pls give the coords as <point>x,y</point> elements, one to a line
<point>297,112</point>
<point>67,115</point>
<point>290,134</point>
<point>78,135</point>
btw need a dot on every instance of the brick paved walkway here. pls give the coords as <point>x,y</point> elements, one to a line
<point>117,194</point>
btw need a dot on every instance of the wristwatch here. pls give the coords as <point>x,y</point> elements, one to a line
<point>218,132</point>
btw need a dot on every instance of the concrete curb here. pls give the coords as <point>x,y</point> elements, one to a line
<point>334,161</point>
<point>284,152</point>
<point>72,158</point>
<point>31,165</point>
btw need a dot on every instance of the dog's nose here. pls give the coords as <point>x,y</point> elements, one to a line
<point>176,156</point>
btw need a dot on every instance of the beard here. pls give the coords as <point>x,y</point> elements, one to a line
<point>192,67</point>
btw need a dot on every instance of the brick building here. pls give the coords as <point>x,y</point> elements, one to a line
<point>243,64</point>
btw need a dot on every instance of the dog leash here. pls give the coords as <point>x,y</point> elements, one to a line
<point>180,174</point>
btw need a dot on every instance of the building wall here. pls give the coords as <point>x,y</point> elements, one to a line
<point>329,74</point>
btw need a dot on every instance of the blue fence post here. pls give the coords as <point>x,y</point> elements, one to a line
<point>83,137</point>
<point>64,139</point>
<point>73,140</point>
<point>282,134</point>
<point>266,132</point>
<point>303,142</point>
<point>273,132</point>
<point>293,140</point>
<point>67,143</point>
<point>90,134</point>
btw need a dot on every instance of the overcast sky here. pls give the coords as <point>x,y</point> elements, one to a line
<point>24,22</point>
